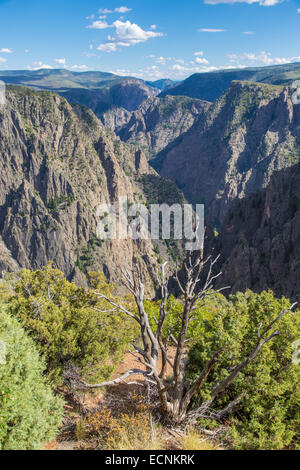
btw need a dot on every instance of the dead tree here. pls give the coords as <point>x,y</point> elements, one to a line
<point>175,399</point>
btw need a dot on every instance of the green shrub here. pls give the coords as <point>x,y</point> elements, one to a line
<point>268,416</point>
<point>29,412</point>
<point>70,324</point>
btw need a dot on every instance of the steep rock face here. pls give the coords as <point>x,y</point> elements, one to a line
<point>57,165</point>
<point>159,121</point>
<point>115,117</point>
<point>260,238</point>
<point>250,132</point>
<point>114,102</point>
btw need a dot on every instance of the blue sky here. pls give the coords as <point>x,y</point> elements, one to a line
<point>150,39</point>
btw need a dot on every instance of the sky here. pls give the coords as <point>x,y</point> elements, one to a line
<point>149,39</point>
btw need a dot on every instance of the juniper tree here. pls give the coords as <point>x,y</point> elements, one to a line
<point>175,398</point>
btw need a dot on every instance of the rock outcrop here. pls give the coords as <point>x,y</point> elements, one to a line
<point>159,121</point>
<point>58,163</point>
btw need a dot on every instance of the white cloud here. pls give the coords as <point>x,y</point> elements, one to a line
<point>181,71</point>
<point>298,11</point>
<point>265,3</point>
<point>107,11</point>
<point>160,60</point>
<point>153,26</point>
<point>2,60</point>
<point>99,25</point>
<point>122,10</point>
<point>126,34</point>
<point>104,11</point>
<point>38,65</point>
<point>5,50</point>
<point>107,47</point>
<point>263,58</point>
<point>60,61</point>
<point>249,33</point>
<point>199,53</point>
<point>27,51</point>
<point>201,60</point>
<point>211,30</point>
<point>79,67</point>
<point>132,33</point>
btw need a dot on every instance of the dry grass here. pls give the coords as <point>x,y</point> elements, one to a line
<point>123,429</point>
<point>194,441</point>
<point>138,437</point>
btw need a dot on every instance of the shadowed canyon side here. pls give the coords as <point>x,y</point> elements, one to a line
<point>58,163</point>
<point>250,132</point>
<point>260,238</point>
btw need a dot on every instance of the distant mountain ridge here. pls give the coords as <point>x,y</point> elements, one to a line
<point>211,85</point>
<point>100,91</point>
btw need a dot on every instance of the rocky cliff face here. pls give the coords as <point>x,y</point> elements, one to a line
<point>260,238</point>
<point>58,163</point>
<point>113,103</point>
<point>250,132</point>
<point>159,121</point>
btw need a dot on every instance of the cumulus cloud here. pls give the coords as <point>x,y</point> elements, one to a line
<point>2,60</point>
<point>132,33</point>
<point>126,34</point>
<point>199,53</point>
<point>264,3</point>
<point>6,50</point>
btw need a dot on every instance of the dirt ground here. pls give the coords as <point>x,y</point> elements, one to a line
<point>93,401</point>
